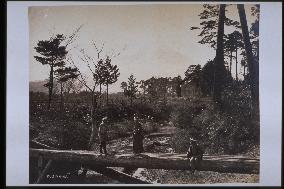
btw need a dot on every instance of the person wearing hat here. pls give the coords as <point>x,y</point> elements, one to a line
<point>102,134</point>
<point>194,154</point>
<point>138,136</point>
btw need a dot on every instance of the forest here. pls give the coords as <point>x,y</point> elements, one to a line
<point>215,104</point>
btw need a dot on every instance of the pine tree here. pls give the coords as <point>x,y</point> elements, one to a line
<point>219,67</point>
<point>193,75</point>
<point>64,74</point>
<point>209,25</point>
<point>110,74</point>
<point>99,75</point>
<point>52,54</point>
<point>132,88</point>
<point>252,64</point>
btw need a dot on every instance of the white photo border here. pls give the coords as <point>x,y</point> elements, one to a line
<point>17,119</point>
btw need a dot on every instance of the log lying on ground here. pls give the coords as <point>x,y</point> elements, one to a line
<point>152,135</point>
<point>119,176</point>
<point>227,164</point>
<point>33,165</point>
<point>152,146</point>
<point>38,145</point>
<point>116,175</point>
<point>56,167</point>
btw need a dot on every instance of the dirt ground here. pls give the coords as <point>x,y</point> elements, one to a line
<point>124,145</point>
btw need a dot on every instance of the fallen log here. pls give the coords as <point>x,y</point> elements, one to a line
<point>116,175</point>
<point>36,172</point>
<point>153,135</point>
<point>36,144</point>
<point>150,147</point>
<point>153,161</point>
<point>122,177</point>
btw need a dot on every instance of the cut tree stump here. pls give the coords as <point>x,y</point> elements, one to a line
<point>222,164</point>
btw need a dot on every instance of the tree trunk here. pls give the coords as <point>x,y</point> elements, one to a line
<point>252,64</point>
<point>219,66</point>
<point>50,87</point>
<point>178,90</point>
<point>61,96</point>
<point>131,100</point>
<point>231,61</point>
<point>107,94</point>
<point>100,99</point>
<point>237,64</point>
<point>93,120</point>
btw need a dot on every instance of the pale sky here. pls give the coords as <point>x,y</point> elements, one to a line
<point>154,40</point>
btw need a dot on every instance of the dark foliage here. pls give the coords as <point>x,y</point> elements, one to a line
<point>230,130</point>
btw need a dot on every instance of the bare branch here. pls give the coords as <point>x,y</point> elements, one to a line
<point>90,59</point>
<point>82,80</point>
<point>113,54</point>
<point>73,36</point>
<point>87,60</point>
<point>102,48</point>
<point>116,55</point>
<point>97,49</point>
<point>75,47</point>
<point>95,46</point>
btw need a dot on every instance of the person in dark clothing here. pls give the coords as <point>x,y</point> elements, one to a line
<point>102,134</point>
<point>194,154</point>
<point>138,137</point>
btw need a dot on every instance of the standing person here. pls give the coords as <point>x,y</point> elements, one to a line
<point>138,137</point>
<point>194,154</point>
<point>102,134</point>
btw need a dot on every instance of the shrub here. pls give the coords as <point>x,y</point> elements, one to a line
<point>180,141</point>
<point>227,131</point>
<point>65,134</point>
<point>184,111</point>
<point>150,126</point>
<point>182,117</point>
<point>66,129</point>
<point>231,129</point>
<point>236,99</point>
<point>123,127</point>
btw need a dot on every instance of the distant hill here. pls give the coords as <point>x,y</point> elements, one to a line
<point>37,86</point>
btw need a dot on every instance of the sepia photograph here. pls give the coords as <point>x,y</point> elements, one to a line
<point>144,94</point>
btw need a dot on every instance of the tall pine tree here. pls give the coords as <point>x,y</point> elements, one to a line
<point>52,53</point>
<point>110,74</point>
